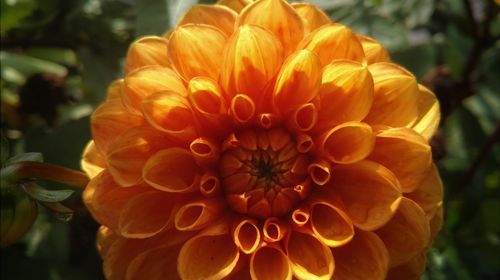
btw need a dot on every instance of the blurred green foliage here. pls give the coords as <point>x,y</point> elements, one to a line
<point>65,53</point>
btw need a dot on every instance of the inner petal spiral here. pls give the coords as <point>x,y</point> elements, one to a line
<point>263,174</point>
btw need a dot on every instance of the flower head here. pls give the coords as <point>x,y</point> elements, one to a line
<point>261,140</point>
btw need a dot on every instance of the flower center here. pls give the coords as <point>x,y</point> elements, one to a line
<point>263,173</point>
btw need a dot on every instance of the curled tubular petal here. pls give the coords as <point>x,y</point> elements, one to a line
<point>197,215</point>
<point>209,255</point>
<point>218,16</point>
<point>370,192</point>
<point>205,151</point>
<point>429,193</point>
<point>305,142</point>
<point>252,58</point>
<point>333,41</point>
<point>374,51</point>
<point>170,112</point>
<point>320,172</point>
<point>246,235</point>
<point>188,52</point>
<point>270,263</point>
<point>348,143</point>
<point>346,93</point>
<point>147,80</point>
<point>278,17</point>
<point>274,229</point>
<point>406,234</point>
<point>298,81</point>
<point>304,118</point>
<point>413,158</point>
<point>429,114</point>
<point>365,257</point>
<point>300,216</point>
<point>150,50</point>
<point>313,17</point>
<point>330,224</point>
<point>210,184</point>
<point>266,120</point>
<point>395,96</point>
<point>128,154</point>
<point>93,162</point>
<point>310,259</point>
<point>242,108</point>
<point>172,170</point>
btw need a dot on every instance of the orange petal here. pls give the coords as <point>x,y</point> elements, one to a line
<point>395,96</point>
<point>156,264</point>
<point>156,211</point>
<point>348,143</point>
<point>189,54</point>
<point>304,143</point>
<point>150,50</point>
<point>270,263</point>
<point>406,153</point>
<point>115,89</point>
<point>274,229</point>
<point>210,184</point>
<point>278,17</point>
<point>172,170</point>
<point>147,80</point>
<point>309,258</point>
<point>242,108</point>
<point>109,121</point>
<point>197,215</point>
<point>436,222</point>
<point>300,217</point>
<point>370,192</point>
<point>365,257</point>
<point>105,238</point>
<point>374,51</point>
<point>429,114</point>
<point>205,151</point>
<point>320,172</point>
<point>236,5</point>
<point>304,118</point>
<point>429,194</point>
<point>127,156</point>
<point>253,56</point>
<point>411,270</point>
<point>209,256</point>
<point>330,224</point>
<point>218,16</point>
<point>92,161</point>
<point>333,41</point>
<point>298,81</point>
<point>171,113</point>
<point>313,17</point>
<point>246,235</point>
<point>346,93</point>
<point>406,234</point>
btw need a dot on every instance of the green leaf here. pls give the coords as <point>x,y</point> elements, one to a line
<point>60,212</point>
<point>57,55</point>
<point>38,157</point>
<point>29,65</point>
<point>13,12</point>
<point>41,194</point>
<point>152,17</point>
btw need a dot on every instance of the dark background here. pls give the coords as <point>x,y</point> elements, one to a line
<point>57,58</point>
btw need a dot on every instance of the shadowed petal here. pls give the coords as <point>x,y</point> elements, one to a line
<point>429,194</point>
<point>270,263</point>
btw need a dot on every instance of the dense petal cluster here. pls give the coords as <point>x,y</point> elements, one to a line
<point>262,140</point>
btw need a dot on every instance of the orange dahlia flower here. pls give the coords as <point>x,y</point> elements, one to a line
<point>261,140</point>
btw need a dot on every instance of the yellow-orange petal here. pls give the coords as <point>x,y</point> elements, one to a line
<point>312,15</point>
<point>304,118</point>
<point>298,81</point>
<point>320,172</point>
<point>374,51</point>
<point>406,153</point>
<point>330,224</point>
<point>365,257</point>
<point>189,53</point>
<point>172,170</point>
<point>92,162</point>
<point>235,5</point>
<point>242,108</point>
<point>429,113</point>
<point>156,264</point>
<point>300,216</point>
<point>411,270</point>
<point>395,96</point>
<point>270,263</point>
<point>147,80</point>
<point>274,229</point>
<point>129,153</point>
<point>278,17</point>
<point>210,255</point>
<point>115,89</point>
<point>406,234</point>
<point>370,192</point>
<point>310,259</point>
<point>150,50</point>
<point>246,235</point>
<point>210,185</point>
<point>429,194</point>
<point>347,143</point>
<point>155,214</point>
<point>333,41</point>
<point>109,121</point>
<point>104,239</point>
<point>171,113</point>
<point>199,214</point>
<point>205,151</point>
<point>218,16</point>
<point>346,93</point>
<point>252,58</point>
